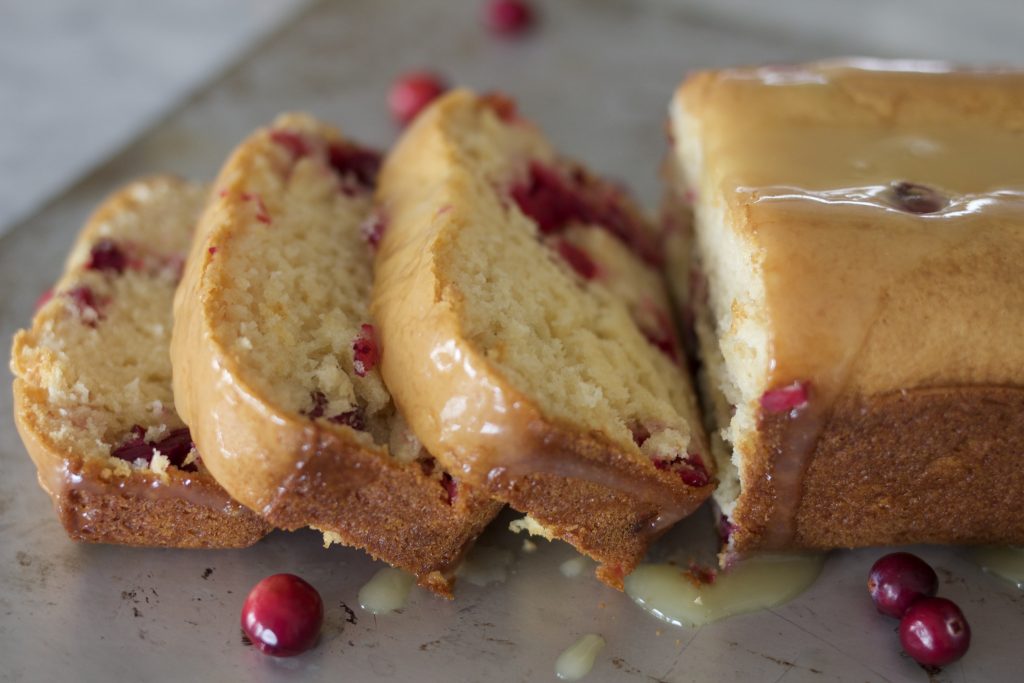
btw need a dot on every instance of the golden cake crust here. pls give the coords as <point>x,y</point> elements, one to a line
<point>179,509</point>
<point>937,465</point>
<point>904,325</point>
<point>293,470</point>
<point>580,486</point>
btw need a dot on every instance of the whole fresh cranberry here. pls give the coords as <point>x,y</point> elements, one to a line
<point>508,17</point>
<point>898,580</point>
<point>282,615</point>
<point>411,93</point>
<point>934,632</point>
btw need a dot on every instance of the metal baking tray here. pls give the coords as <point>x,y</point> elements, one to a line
<point>597,77</point>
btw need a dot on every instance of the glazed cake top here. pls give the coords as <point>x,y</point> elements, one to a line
<point>860,123</point>
<point>878,210</point>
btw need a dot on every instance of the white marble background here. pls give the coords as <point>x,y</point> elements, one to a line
<point>81,78</point>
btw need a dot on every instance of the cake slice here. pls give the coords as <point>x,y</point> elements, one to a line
<point>276,362</point>
<point>92,387</point>
<point>858,291</point>
<point>527,336</point>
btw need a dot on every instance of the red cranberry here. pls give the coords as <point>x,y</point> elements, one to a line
<point>175,447</point>
<point>790,397</point>
<point>44,299</point>
<point>262,215</point>
<point>134,446</point>
<point>917,198</point>
<point>282,615</point>
<point>372,229</point>
<point>725,529</point>
<point>351,418</point>
<point>578,259</point>
<point>84,299</point>
<point>319,404</point>
<point>898,580</point>
<point>694,473</point>
<point>411,93</point>
<point>508,17</point>
<point>450,487</point>
<point>364,351</point>
<point>554,200</point>
<point>355,164</point>
<point>690,469</point>
<point>292,141</point>
<point>106,255</point>
<point>934,632</point>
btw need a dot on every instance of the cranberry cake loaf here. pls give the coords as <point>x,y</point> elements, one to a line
<point>857,284</point>
<point>92,387</point>
<point>527,334</point>
<point>276,360</point>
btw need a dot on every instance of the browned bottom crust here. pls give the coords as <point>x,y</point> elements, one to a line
<point>184,515</point>
<point>395,512</point>
<point>940,465</point>
<point>185,510</point>
<point>612,513</point>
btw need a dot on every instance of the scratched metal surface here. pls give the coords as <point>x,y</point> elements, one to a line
<point>596,76</point>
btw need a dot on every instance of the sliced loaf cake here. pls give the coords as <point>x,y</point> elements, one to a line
<point>92,388</point>
<point>527,335</point>
<point>276,359</point>
<point>857,287</point>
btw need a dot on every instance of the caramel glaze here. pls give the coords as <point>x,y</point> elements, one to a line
<point>879,297</point>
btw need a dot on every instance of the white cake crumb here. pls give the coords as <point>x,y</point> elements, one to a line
<point>530,526</point>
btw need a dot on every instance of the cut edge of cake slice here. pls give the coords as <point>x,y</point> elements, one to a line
<point>92,387</point>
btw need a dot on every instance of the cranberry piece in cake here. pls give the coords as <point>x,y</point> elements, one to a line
<point>372,229</point>
<point>292,141</point>
<point>364,351</point>
<point>578,259</point>
<point>450,487</point>
<point>898,580</point>
<point>917,198</point>
<point>411,93</point>
<point>176,446</point>
<point>106,255</point>
<point>351,418</point>
<point>508,17</point>
<point>555,199</point>
<point>86,302</point>
<point>690,469</point>
<point>934,632</point>
<point>134,446</point>
<point>282,615</point>
<point>356,163</point>
<point>790,397</point>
